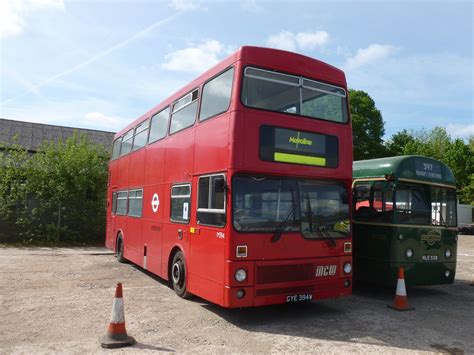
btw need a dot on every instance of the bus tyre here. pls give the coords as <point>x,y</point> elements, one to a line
<point>119,249</point>
<point>178,275</point>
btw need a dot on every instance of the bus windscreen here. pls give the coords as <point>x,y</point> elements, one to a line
<point>295,95</point>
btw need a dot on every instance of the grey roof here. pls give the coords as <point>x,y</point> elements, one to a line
<point>31,135</point>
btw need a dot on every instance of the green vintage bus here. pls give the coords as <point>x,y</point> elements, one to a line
<point>404,214</point>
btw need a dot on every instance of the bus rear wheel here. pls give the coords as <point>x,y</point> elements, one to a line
<point>119,250</point>
<point>178,275</point>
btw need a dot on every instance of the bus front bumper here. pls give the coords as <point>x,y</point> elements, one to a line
<point>287,281</point>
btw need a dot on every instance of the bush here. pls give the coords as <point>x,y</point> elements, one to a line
<point>56,195</point>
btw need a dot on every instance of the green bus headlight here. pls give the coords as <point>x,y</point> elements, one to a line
<point>409,253</point>
<point>447,253</point>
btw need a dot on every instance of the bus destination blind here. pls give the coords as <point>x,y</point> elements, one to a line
<point>428,169</point>
<point>298,147</point>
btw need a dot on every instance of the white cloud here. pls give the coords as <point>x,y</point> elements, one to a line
<point>93,113</point>
<point>196,59</point>
<point>98,119</point>
<point>13,13</point>
<point>302,40</point>
<point>460,130</point>
<point>372,53</point>
<point>185,5</point>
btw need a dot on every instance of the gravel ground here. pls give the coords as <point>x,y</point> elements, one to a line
<point>59,300</point>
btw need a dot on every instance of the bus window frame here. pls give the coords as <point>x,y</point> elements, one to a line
<point>121,143</point>
<point>231,67</point>
<point>135,198</point>
<point>167,107</point>
<point>373,215</point>
<point>212,210</point>
<point>135,133</point>
<point>427,195</point>
<point>181,184</point>
<point>119,140</point>
<point>126,198</point>
<point>346,98</point>
<point>173,111</point>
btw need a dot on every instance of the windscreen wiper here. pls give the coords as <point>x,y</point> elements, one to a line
<point>328,235</point>
<point>310,213</point>
<point>276,237</point>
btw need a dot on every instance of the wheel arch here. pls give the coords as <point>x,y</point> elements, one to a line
<point>119,233</point>
<point>172,253</point>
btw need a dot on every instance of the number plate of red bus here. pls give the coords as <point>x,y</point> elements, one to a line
<point>299,298</point>
<point>429,257</point>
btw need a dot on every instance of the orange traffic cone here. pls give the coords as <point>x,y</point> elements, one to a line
<point>116,336</point>
<point>401,301</point>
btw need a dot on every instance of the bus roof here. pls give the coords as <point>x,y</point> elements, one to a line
<point>411,167</point>
<point>270,58</point>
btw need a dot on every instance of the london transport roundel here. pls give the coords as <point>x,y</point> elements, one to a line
<point>155,202</point>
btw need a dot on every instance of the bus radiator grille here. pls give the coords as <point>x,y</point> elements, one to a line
<point>270,274</point>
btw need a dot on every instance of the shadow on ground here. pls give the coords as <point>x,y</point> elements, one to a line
<point>362,318</point>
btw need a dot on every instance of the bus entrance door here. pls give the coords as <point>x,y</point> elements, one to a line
<point>207,245</point>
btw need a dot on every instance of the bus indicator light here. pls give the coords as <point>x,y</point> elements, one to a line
<point>347,247</point>
<point>241,251</point>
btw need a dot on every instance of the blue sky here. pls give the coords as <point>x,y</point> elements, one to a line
<point>100,64</point>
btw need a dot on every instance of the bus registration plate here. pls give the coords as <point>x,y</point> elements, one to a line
<point>298,298</point>
<point>429,257</point>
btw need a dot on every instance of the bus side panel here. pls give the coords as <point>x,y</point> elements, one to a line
<point>121,224</point>
<point>110,235</point>
<point>206,258</point>
<point>211,145</point>
<point>179,161</point>
<point>154,203</point>
<point>153,226</point>
<point>134,224</point>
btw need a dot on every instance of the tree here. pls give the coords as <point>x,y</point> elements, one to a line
<point>437,143</point>
<point>367,126</point>
<point>61,190</point>
<point>397,143</point>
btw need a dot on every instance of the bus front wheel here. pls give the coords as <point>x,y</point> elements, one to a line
<point>178,275</point>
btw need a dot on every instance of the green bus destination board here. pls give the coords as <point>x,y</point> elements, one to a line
<point>428,169</point>
<point>298,147</point>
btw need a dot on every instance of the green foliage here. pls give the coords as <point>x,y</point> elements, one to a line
<point>437,143</point>
<point>367,127</point>
<point>57,194</point>
<point>398,142</point>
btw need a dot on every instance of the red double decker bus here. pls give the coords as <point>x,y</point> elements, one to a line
<point>236,188</point>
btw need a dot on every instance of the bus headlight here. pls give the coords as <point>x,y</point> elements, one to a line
<point>409,253</point>
<point>447,253</point>
<point>347,268</point>
<point>447,273</point>
<point>240,275</point>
